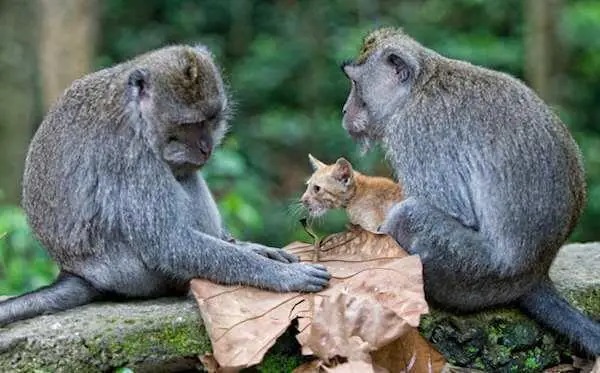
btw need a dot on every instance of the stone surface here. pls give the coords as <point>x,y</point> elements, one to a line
<point>576,273</point>
<point>505,340</point>
<point>158,335</point>
<point>167,334</point>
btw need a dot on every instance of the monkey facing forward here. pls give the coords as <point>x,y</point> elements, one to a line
<point>494,182</point>
<point>111,189</point>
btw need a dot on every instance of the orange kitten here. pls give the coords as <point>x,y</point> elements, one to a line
<point>366,199</point>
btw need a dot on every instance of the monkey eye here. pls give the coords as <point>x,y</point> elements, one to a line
<point>212,117</point>
<point>316,188</point>
<point>200,124</point>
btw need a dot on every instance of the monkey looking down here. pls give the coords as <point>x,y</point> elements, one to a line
<point>493,180</point>
<point>111,190</point>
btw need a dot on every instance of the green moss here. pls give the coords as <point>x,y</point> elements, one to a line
<point>173,340</point>
<point>532,364</point>
<point>176,340</point>
<point>284,356</point>
<point>277,363</point>
<point>587,301</point>
<point>500,340</point>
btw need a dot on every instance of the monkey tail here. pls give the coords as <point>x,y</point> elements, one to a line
<point>545,304</point>
<point>66,292</point>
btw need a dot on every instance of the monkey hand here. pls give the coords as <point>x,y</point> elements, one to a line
<point>404,223</point>
<point>272,253</point>
<point>302,277</point>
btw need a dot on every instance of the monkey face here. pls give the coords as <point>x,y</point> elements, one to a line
<point>189,145</point>
<point>181,99</point>
<point>381,83</point>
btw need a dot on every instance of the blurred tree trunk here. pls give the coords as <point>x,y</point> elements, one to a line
<point>67,40</point>
<point>542,46</point>
<point>18,24</point>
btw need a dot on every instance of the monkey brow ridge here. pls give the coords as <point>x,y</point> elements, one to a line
<point>375,39</point>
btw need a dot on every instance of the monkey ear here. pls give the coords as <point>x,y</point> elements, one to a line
<point>343,171</point>
<point>138,82</point>
<point>400,67</point>
<point>315,163</point>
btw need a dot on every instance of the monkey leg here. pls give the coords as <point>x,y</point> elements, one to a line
<point>462,268</point>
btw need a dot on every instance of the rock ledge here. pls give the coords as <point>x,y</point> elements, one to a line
<point>167,334</point>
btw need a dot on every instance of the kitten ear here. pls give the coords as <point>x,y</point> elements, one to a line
<point>315,163</point>
<point>343,171</point>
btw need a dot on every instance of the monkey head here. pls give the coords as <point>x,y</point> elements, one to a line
<point>382,78</point>
<point>180,104</point>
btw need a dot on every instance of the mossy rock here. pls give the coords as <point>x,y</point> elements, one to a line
<point>159,335</point>
<point>505,340</point>
<point>576,274</point>
<point>501,340</point>
<point>167,334</point>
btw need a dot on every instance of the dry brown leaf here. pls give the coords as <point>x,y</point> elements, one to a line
<point>210,364</point>
<point>375,297</point>
<point>412,352</point>
<point>242,322</point>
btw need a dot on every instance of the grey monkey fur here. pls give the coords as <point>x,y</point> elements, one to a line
<point>111,189</point>
<point>494,181</point>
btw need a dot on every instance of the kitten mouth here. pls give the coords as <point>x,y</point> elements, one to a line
<point>315,212</point>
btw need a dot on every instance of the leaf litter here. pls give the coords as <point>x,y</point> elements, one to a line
<point>365,321</point>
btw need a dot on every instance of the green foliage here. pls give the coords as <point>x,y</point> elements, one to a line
<point>281,61</point>
<point>24,264</point>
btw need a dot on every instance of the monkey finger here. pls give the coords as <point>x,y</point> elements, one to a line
<point>312,289</point>
<point>272,254</point>
<point>318,267</point>
<point>318,281</point>
<point>319,271</point>
<point>291,258</point>
<point>281,255</point>
<point>315,288</point>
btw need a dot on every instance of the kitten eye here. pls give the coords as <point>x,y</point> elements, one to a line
<point>316,188</point>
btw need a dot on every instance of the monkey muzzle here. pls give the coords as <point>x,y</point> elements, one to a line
<point>188,155</point>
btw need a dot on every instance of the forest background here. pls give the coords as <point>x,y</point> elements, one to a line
<point>281,60</point>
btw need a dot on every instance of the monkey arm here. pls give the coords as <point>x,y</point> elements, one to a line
<point>266,251</point>
<point>188,253</point>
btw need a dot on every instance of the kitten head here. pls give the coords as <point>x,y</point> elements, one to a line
<point>329,187</point>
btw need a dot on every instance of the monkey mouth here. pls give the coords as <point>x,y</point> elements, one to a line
<point>356,132</point>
